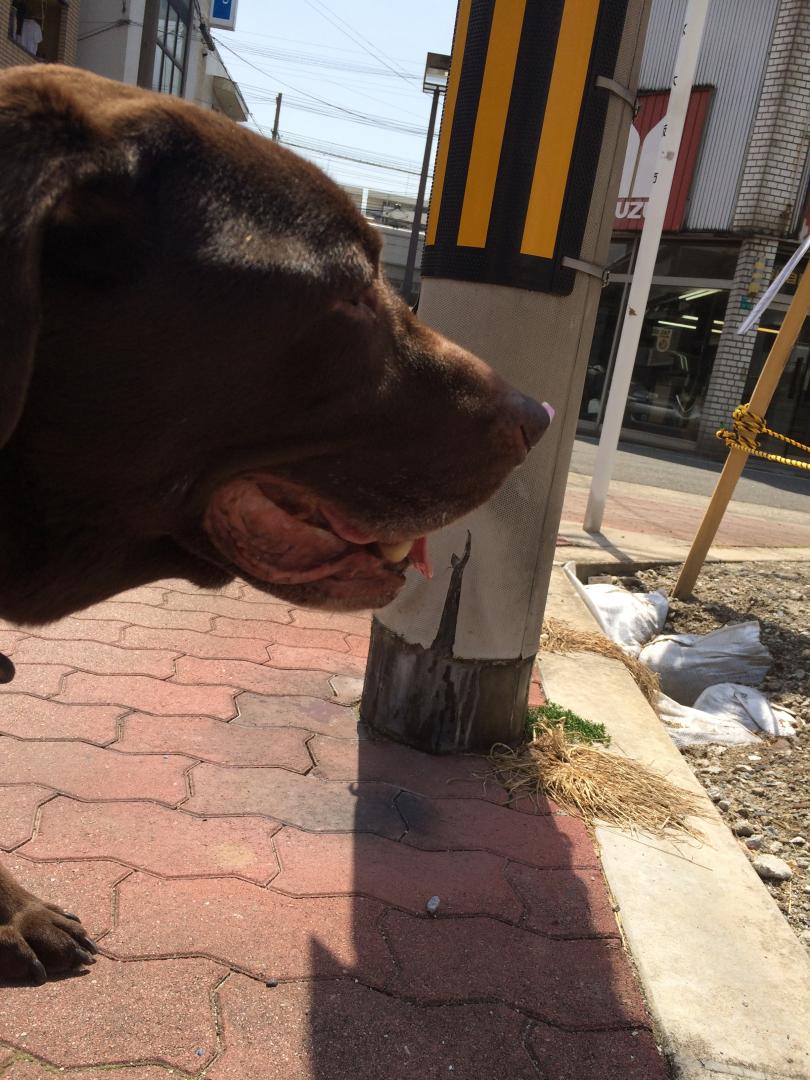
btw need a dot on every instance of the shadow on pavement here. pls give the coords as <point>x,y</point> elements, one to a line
<point>520,973</point>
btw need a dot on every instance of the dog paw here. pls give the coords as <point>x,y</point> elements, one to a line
<point>38,940</point>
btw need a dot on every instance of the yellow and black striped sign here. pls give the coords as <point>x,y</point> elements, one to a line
<point>520,139</point>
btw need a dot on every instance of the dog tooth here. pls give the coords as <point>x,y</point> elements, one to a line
<point>395,552</point>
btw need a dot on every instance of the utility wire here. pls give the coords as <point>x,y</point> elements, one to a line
<point>356,37</point>
<point>364,118</point>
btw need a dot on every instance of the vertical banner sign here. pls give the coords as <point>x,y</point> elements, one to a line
<point>513,224</point>
<point>643,147</point>
<point>223,14</point>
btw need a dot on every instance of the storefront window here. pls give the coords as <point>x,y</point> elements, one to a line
<point>676,352</point>
<point>607,318</point>
<point>696,260</point>
<point>674,360</point>
<point>789,411</point>
<point>620,256</point>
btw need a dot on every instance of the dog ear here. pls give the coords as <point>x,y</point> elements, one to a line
<point>66,205</point>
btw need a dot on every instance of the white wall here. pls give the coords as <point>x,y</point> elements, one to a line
<point>108,49</point>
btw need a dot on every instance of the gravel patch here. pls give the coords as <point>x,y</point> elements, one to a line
<point>762,791</point>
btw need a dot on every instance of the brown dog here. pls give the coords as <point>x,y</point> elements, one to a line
<point>204,375</point>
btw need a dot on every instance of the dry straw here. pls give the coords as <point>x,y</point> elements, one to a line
<point>558,638</point>
<point>595,784</point>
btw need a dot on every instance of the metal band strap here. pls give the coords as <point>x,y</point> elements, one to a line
<point>620,91</point>
<point>592,269</point>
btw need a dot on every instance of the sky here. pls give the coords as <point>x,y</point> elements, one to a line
<point>351,78</point>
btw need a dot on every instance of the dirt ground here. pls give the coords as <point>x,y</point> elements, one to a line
<point>762,791</point>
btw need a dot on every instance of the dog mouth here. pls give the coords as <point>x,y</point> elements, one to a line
<point>280,533</point>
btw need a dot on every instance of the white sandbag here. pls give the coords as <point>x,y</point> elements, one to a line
<point>688,663</point>
<point>727,713</point>
<point>629,619</point>
<point>749,707</point>
<point>693,727</point>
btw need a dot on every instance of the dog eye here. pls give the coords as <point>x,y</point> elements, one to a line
<point>363,306</point>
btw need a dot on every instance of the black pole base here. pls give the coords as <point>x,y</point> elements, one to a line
<point>428,699</point>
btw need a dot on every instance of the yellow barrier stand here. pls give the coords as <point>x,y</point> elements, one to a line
<point>737,457</point>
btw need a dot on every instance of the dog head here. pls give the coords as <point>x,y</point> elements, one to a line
<point>203,372</point>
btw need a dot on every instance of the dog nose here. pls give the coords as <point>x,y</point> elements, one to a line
<point>533,417</point>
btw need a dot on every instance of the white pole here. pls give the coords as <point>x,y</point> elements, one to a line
<point>682,80</point>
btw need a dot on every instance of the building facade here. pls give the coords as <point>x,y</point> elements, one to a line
<point>162,45</point>
<point>38,31</point>
<point>737,211</point>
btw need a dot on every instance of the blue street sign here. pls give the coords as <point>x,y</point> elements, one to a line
<point>223,14</point>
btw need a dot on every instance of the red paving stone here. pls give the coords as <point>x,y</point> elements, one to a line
<point>641,513</point>
<point>577,983</point>
<point>81,629</point>
<point>358,644</point>
<point>304,801</point>
<point>97,658</point>
<point>154,838</point>
<point>457,777</point>
<point>596,1055</point>
<point>332,620</point>
<point>234,589</point>
<point>247,676</point>
<point>213,740</point>
<point>290,656</point>
<point>150,695</point>
<point>89,772</point>
<point>537,839</point>
<point>42,680</point>
<point>274,633</point>
<point>275,870</point>
<point>564,902</point>
<point>32,1070</point>
<point>314,714</point>
<point>85,887</point>
<point>147,615</point>
<point>35,718</point>
<point>241,924</point>
<point>18,809</point>
<point>195,643</point>
<point>9,639</point>
<point>345,1031</point>
<point>116,1012</point>
<point>467,882</point>
<point>250,594</point>
<point>145,594</point>
<point>212,604</point>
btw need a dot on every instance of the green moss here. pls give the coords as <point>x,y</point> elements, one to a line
<point>576,727</point>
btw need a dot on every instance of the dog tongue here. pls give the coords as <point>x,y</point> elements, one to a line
<point>420,560</point>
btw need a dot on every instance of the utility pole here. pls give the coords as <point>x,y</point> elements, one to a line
<point>278,114</point>
<point>539,105</point>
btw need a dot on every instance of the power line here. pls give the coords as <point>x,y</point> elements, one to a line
<point>363,117</point>
<point>265,96</point>
<point>335,63</point>
<point>355,36</point>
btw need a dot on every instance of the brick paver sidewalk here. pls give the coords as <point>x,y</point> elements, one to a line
<point>184,770</point>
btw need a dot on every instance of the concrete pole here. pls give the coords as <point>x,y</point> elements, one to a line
<point>682,81</point>
<point>416,228</point>
<point>535,125</point>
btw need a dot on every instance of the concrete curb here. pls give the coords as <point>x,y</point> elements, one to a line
<point>726,979</point>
